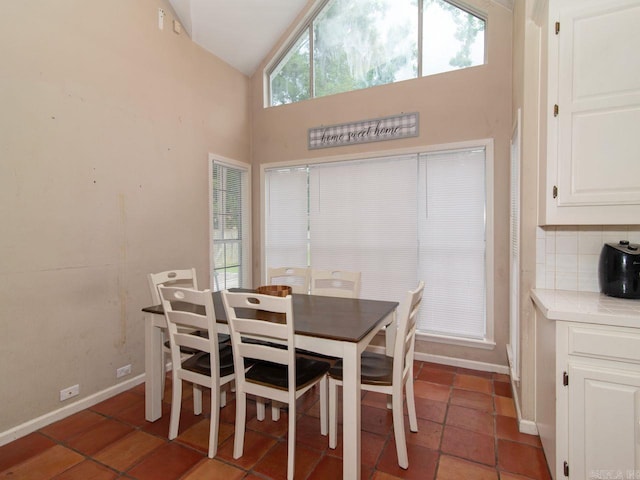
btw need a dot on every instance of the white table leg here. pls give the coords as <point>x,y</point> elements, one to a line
<point>153,368</point>
<point>351,412</point>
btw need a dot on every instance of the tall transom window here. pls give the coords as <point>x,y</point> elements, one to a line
<point>353,44</point>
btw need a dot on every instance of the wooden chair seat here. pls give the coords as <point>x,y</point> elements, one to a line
<point>201,362</point>
<point>275,374</point>
<point>376,369</point>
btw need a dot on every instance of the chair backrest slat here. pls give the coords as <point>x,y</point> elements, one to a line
<point>298,278</point>
<point>189,319</point>
<point>261,328</point>
<point>192,341</point>
<point>335,283</point>
<point>185,278</point>
<point>261,352</point>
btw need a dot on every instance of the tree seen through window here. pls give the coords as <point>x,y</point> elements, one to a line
<point>355,44</point>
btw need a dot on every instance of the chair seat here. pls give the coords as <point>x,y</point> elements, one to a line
<point>222,338</point>
<point>376,369</point>
<point>275,375</point>
<point>201,362</point>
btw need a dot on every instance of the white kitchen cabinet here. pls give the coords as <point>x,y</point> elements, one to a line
<point>588,384</point>
<point>600,405</point>
<point>603,421</point>
<point>591,174</point>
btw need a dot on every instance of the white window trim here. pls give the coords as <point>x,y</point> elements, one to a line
<point>487,144</point>
<point>485,344</point>
<point>513,346</point>
<point>247,269</point>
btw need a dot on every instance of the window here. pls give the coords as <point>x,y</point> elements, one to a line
<point>289,81</point>
<point>452,243</point>
<point>452,38</point>
<point>406,218</point>
<point>230,236</point>
<point>353,44</point>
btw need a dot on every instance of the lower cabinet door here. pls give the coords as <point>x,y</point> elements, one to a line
<point>604,416</point>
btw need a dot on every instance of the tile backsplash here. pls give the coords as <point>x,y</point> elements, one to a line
<point>567,256</point>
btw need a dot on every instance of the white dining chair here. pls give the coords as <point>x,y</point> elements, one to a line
<point>211,365</point>
<point>335,283</point>
<point>183,278</point>
<point>388,375</point>
<point>279,373</point>
<point>298,278</point>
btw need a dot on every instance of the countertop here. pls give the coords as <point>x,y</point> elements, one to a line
<point>587,307</point>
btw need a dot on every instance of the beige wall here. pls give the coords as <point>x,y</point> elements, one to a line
<point>105,127</point>
<point>474,103</point>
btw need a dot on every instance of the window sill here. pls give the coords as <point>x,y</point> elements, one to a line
<point>464,342</point>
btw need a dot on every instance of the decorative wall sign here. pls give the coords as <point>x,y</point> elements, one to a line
<point>375,130</point>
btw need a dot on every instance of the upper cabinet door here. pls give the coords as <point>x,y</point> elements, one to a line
<point>593,155</point>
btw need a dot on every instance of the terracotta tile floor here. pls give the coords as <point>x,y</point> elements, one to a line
<point>466,421</point>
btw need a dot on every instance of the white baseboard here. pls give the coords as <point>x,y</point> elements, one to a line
<point>527,426</point>
<point>454,362</point>
<point>524,426</point>
<point>68,410</point>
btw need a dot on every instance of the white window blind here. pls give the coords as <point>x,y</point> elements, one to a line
<point>451,259</point>
<point>286,217</point>
<point>363,219</point>
<point>397,220</point>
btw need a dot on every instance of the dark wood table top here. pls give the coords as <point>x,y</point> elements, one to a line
<point>344,319</point>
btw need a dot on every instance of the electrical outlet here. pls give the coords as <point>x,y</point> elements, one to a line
<point>122,371</point>
<point>69,392</point>
<point>160,18</point>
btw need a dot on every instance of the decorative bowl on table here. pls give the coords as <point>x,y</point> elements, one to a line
<point>274,290</point>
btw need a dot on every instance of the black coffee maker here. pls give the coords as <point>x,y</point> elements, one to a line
<point>619,269</point>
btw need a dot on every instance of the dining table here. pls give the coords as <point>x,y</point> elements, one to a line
<point>333,326</point>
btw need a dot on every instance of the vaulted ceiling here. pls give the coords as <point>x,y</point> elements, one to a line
<point>240,32</point>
